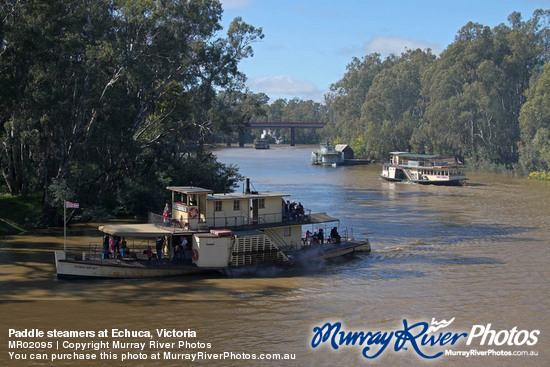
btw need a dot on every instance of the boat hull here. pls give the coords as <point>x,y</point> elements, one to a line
<point>67,268</point>
<point>261,144</point>
<point>346,249</point>
<point>330,251</point>
<point>458,182</point>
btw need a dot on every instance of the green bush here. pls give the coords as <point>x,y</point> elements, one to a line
<point>19,213</point>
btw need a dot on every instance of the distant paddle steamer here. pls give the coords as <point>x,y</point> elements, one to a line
<point>423,169</point>
<point>327,155</point>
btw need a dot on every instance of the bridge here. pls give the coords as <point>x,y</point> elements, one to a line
<point>291,125</point>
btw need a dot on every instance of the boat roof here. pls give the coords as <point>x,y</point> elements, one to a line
<point>189,189</point>
<point>137,230</point>
<point>413,155</point>
<point>251,195</point>
<point>323,217</point>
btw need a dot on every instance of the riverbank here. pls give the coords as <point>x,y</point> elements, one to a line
<point>19,213</point>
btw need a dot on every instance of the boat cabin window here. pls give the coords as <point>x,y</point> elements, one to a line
<point>236,205</point>
<point>261,203</point>
<point>218,206</point>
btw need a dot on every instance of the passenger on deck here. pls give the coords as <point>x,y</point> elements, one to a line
<point>159,246</point>
<point>105,253</point>
<point>293,212</point>
<point>117,244</point>
<point>166,215</point>
<point>288,209</point>
<point>307,238</point>
<point>112,244</point>
<point>334,236</point>
<point>300,211</point>
<point>181,248</point>
<point>321,236</point>
<point>149,253</point>
<point>123,247</point>
<point>315,238</point>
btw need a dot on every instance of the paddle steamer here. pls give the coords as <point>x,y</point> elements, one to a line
<point>423,169</point>
<point>223,232</point>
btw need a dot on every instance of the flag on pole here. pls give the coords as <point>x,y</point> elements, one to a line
<point>70,205</point>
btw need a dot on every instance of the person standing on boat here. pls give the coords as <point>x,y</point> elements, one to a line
<point>321,236</point>
<point>105,253</point>
<point>117,244</point>
<point>123,247</point>
<point>166,214</point>
<point>307,238</point>
<point>149,254</point>
<point>182,247</point>
<point>334,235</point>
<point>293,211</point>
<point>159,246</point>
<point>288,208</point>
<point>300,211</point>
<point>112,244</point>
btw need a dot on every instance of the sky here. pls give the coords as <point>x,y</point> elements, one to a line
<point>308,44</point>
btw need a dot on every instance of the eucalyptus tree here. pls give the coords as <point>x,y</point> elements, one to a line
<point>233,111</point>
<point>394,105</point>
<point>93,92</point>
<point>349,93</point>
<point>535,124</point>
<point>476,88</point>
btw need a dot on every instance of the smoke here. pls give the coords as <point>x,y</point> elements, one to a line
<point>270,133</point>
<point>305,262</point>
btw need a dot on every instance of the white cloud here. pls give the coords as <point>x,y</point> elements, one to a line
<point>398,45</point>
<point>235,4</point>
<point>285,85</point>
<point>351,51</point>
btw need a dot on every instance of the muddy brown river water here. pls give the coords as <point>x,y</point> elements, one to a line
<point>479,254</point>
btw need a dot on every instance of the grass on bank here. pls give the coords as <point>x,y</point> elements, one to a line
<point>19,213</point>
<point>540,175</point>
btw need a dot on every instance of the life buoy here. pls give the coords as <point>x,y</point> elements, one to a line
<point>193,213</point>
<point>195,255</point>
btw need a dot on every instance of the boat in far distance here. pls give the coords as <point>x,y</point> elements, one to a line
<point>261,143</point>
<point>327,155</point>
<point>423,169</point>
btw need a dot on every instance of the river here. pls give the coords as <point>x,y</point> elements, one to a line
<point>476,254</point>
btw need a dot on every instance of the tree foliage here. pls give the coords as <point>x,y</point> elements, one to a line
<point>534,123</point>
<point>466,102</point>
<point>100,94</point>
